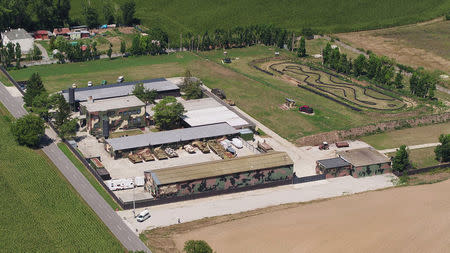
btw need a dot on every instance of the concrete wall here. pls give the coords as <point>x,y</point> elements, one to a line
<point>222,183</point>
<point>25,44</point>
<point>370,170</point>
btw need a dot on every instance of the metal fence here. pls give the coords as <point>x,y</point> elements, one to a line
<point>299,180</point>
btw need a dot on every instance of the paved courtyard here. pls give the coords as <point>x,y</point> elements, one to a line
<point>165,215</point>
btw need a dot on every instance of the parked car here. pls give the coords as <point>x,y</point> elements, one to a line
<point>142,216</point>
<point>237,142</point>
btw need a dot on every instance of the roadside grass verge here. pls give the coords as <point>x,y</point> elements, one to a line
<point>105,195</point>
<point>5,80</point>
<point>408,136</point>
<point>41,211</point>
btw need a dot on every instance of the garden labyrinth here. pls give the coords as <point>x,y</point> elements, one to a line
<point>332,87</point>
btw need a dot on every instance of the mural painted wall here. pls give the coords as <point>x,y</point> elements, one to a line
<point>221,183</point>
<point>375,169</point>
<point>334,172</point>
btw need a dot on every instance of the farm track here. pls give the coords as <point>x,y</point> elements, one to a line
<point>318,82</point>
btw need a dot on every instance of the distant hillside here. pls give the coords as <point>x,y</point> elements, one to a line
<point>196,16</point>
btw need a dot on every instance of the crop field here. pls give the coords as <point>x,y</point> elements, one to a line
<point>41,212</point>
<point>424,44</point>
<point>326,15</point>
<point>408,136</point>
<point>334,86</point>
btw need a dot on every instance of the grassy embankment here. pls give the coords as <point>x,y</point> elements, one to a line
<point>41,212</point>
<point>408,136</point>
<point>88,176</point>
<point>326,15</point>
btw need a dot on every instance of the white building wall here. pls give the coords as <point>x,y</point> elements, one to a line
<point>25,44</point>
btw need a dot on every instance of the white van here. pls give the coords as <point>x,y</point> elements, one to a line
<point>143,216</point>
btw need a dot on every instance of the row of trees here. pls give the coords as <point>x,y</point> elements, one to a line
<point>154,43</point>
<point>109,14</point>
<point>48,14</point>
<point>13,52</point>
<point>381,70</point>
<point>34,14</point>
<point>73,51</point>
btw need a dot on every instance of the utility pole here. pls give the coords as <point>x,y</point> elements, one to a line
<point>198,43</point>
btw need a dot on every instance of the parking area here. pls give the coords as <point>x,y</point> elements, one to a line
<point>123,168</point>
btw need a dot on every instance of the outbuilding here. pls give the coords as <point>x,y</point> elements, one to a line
<point>333,167</point>
<point>42,35</point>
<point>262,170</point>
<point>366,162</point>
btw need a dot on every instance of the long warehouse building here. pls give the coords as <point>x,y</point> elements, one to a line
<point>268,169</point>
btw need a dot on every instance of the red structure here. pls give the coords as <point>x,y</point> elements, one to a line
<point>306,109</point>
<point>42,35</point>
<point>61,32</point>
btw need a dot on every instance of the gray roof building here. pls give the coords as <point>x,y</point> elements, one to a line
<point>333,163</point>
<point>120,89</point>
<point>171,136</point>
<point>112,104</point>
<point>363,157</point>
<point>25,40</point>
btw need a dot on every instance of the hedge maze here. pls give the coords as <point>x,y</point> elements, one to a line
<point>331,86</point>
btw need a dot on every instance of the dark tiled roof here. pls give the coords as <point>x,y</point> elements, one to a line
<point>333,163</point>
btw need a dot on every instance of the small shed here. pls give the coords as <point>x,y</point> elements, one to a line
<point>42,35</point>
<point>333,167</point>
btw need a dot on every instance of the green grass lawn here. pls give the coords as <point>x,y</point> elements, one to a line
<point>421,158</point>
<point>5,80</point>
<point>41,212</point>
<point>88,176</point>
<point>408,136</point>
<point>180,16</point>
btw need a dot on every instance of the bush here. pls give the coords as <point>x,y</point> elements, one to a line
<point>197,246</point>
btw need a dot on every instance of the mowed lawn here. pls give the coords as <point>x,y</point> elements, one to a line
<point>181,16</point>
<point>421,158</point>
<point>408,136</point>
<point>61,76</point>
<point>41,212</point>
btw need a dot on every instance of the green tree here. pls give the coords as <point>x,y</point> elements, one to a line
<point>28,130</point>
<point>11,51</point>
<point>398,81</point>
<point>128,9</point>
<point>109,52</point>
<point>401,162</point>
<point>35,87</point>
<point>146,95</point>
<point>108,12</point>
<point>36,53</point>
<point>68,129</point>
<point>18,55</point>
<point>52,43</point>
<point>308,33</point>
<point>301,52</point>
<point>191,87</point>
<point>90,15</point>
<point>443,150</point>
<point>135,46</point>
<point>41,105</point>
<point>62,109</point>
<point>197,246</point>
<point>168,113</point>
<point>359,65</point>
<point>123,47</point>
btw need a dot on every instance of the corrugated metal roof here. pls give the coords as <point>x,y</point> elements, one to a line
<point>219,168</point>
<point>119,89</point>
<point>363,157</point>
<point>171,136</point>
<point>112,104</point>
<point>213,115</point>
<point>333,163</point>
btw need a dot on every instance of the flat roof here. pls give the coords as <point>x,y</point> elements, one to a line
<point>119,89</point>
<point>171,136</point>
<point>363,156</point>
<point>333,163</point>
<point>112,104</point>
<point>208,111</point>
<point>219,168</point>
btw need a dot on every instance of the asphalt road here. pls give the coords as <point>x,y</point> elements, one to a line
<point>123,233</point>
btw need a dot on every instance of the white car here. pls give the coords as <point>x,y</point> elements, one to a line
<point>143,216</point>
<point>236,142</point>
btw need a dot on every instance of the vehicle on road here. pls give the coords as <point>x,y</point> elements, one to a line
<point>142,216</point>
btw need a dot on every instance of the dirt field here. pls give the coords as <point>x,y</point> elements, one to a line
<point>405,219</point>
<point>425,44</point>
